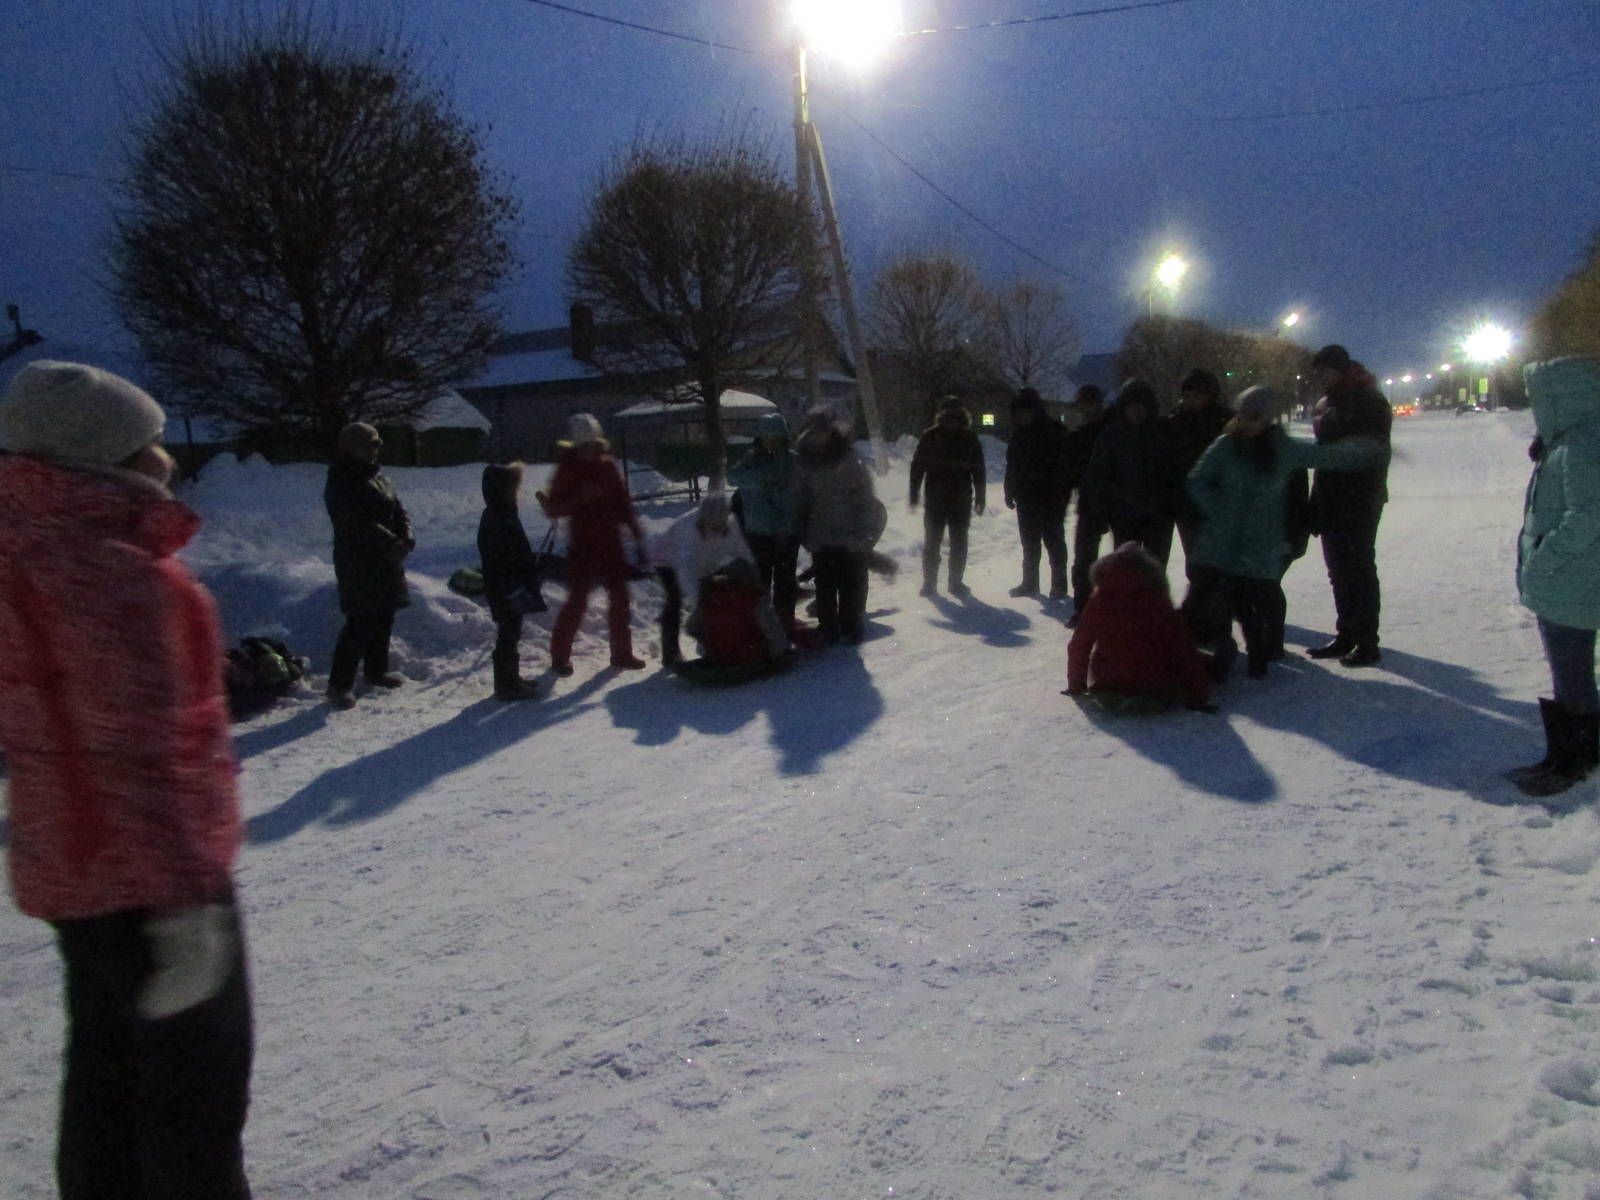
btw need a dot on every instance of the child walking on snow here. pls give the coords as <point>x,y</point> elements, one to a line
<point>1130,643</point>
<point>510,576</point>
<point>587,489</point>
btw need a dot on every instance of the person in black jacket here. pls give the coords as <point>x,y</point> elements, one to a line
<point>510,576</point>
<point>1187,432</point>
<point>1125,472</point>
<point>1036,486</point>
<point>950,458</point>
<point>1085,419</point>
<point>371,538</point>
<point>1347,505</point>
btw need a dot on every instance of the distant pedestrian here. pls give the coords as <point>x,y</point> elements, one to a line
<point>764,479</point>
<point>1348,505</point>
<point>1558,565</point>
<point>122,790</point>
<point>511,582</point>
<point>1036,486</point>
<point>1130,642</point>
<point>371,539</point>
<point>950,458</point>
<point>1240,491</point>
<point>1084,420</point>
<point>839,518</point>
<point>587,489</point>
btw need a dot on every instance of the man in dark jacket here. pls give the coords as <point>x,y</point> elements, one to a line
<point>1036,486</point>
<point>371,538</point>
<point>1085,420</point>
<point>1347,505</point>
<point>1125,472</point>
<point>1187,432</point>
<point>950,458</point>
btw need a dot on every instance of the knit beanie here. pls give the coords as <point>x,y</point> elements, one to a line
<point>1256,402</point>
<point>582,428</point>
<point>1333,356</point>
<point>77,413</point>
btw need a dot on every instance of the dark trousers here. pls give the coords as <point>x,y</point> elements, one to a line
<point>1153,533</point>
<point>841,582</point>
<point>1088,532</point>
<point>1350,553</point>
<point>507,656</point>
<point>1043,524</point>
<point>364,642</point>
<point>775,559</point>
<point>1215,600</point>
<point>935,520</point>
<point>1570,653</point>
<point>671,615</point>
<point>150,1109</point>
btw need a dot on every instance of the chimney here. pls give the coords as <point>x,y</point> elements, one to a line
<point>581,320</point>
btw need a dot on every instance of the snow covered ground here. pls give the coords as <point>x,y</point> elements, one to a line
<point>904,922</point>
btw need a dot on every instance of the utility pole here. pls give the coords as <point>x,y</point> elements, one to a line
<point>802,184</point>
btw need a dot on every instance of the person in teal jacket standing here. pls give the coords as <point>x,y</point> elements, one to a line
<point>1558,565</point>
<point>1240,491</point>
<point>764,478</point>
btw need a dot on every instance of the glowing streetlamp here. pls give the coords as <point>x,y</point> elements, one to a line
<point>853,31</point>
<point>1168,274</point>
<point>1290,320</point>
<point>1486,345</point>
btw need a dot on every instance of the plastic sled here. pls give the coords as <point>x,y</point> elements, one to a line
<point>705,673</point>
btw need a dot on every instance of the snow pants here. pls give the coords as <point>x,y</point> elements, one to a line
<point>776,561</point>
<point>150,1109</point>
<point>579,585</point>
<point>363,642</point>
<point>1043,524</point>
<point>1215,600</point>
<point>1351,555</point>
<point>1088,531</point>
<point>936,519</point>
<point>841,582</point>
<point>1570,653</point>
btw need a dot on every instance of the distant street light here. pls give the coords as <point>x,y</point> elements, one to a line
<point>1290,320</point>
<point>853,31</point>
<point>1168,274</point>
<point>1486,345</point>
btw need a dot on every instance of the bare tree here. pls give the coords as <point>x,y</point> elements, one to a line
<point>697,259</point>
<point>927,313</point>
<point>309,233</point>
<point>1162,350</point>
<point>1032,339</point>
<point>1568,322</point>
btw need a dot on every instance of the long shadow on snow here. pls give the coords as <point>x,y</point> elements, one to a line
<point>1398,729</point>
<point>813,711</point>
<point>1199,748</point>
<point>380,782</point>
<point>993,626</point>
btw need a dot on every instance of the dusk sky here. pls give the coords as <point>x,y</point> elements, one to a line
<point>1396,169</point>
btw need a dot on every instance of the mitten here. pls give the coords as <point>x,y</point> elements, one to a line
<point>192,953</point>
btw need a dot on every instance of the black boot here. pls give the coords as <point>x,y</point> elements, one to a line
<point>1572,742</point>
<point>1337,648</point>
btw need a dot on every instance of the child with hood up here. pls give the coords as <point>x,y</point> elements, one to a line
<point>840,519</point>
<point>510,576</point>
<point>587,489</point>
<point>1130,643</point>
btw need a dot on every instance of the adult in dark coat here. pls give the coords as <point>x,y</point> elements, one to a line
<point>949,459</point>
<point>1036,486</point>
<point>371,539</point>
<point>1187,433</point>
<point>1348,505</point>
<point>1125,472</point>
<point>510,576</point>
<point>1085,419</point>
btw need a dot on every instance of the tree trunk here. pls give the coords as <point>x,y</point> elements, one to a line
<point>716,440</point>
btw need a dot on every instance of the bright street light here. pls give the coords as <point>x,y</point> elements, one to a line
<point>1291,320</point>
<point>854,32</point>
<point>1405,378</point>
<point>1444,367</point>
<point>1170,271</point>
<point>1487,344</point>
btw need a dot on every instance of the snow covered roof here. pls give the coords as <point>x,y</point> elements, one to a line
<point>450,411</point>
<point>532,366</point>
<point>734,403</point>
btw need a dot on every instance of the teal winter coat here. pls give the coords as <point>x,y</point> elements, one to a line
<point>765,482</point>
<point>1245,507</point>
<point>1559,552</point>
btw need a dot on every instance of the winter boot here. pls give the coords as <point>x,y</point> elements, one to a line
<point>1362,654</point>
<point>1572,752</point>
<point>1337,648</point>
<point>514,690</point>
<point>930,586</point>
<point>389,679</point>
<point>341,698</point>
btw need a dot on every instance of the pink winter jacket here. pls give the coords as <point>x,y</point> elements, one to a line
<point>113,719</point>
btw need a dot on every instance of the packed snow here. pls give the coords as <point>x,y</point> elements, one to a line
<point>904,921</point>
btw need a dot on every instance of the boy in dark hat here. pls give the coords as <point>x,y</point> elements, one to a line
<point>950,458</point>
<point>1036,486</point>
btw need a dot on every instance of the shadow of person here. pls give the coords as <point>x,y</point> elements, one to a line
<point>379,782</point>
<point>820,708</point>
<point>308,720</point>
<point>1201,749</point>
<point>1396,726</point>
<point>658,708</point>
<point>993,626</point>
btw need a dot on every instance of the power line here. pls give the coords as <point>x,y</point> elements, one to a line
<point>21,170</point>
<point>1066,16</point>
<point>659,32</point>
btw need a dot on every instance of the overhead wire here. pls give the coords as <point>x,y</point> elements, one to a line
<point>1063,16</point>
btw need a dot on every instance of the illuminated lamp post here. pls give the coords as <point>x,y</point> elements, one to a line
<point>1486,345</point>
<point>1168,274</point>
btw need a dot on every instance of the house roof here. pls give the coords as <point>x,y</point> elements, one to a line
<point>733,402</point>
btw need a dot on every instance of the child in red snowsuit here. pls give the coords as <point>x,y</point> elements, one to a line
<point>1130,640</point>
<point>587,489</point>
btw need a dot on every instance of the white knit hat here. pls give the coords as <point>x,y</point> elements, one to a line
<point>77,413</point>
<point>583,428</point>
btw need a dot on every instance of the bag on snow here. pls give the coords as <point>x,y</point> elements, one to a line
<point>468,581</point>
<point>257,672</point>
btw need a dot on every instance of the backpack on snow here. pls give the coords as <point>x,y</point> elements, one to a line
<point>257,672</point>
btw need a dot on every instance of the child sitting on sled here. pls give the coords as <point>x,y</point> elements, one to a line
<point>1130,648</point>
